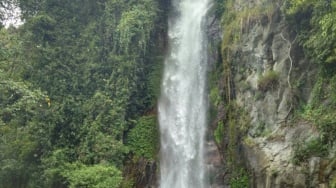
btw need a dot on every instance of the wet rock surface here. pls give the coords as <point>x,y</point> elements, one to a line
<point>269,45</point>
<point>215,166</point>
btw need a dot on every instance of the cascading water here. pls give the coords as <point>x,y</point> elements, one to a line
<point>183,105</point>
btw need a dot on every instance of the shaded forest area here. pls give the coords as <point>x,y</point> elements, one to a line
<point>79,82</point>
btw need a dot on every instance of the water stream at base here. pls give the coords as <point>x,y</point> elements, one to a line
<point>183,104</point>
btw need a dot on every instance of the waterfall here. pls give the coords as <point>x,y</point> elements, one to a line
<point>183,105</point>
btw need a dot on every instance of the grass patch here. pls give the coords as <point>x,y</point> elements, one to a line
<point>240,179</point>
<point>268,81</point>
<point>219,132</point>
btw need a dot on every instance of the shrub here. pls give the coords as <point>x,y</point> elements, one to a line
<point>143,138</point>
<point>268,81</point>
<point>215,98</point>
<point>219,132</point>
<point>96,176</point>
<point>313,147</point>
<point>241,180</point>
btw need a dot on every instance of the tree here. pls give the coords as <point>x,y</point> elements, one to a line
<point>76,76</point>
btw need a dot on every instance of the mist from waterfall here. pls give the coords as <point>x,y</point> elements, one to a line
<point>183,105</point>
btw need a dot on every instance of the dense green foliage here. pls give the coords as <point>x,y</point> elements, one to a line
<point>74,79</point>
<point>143,138</point>
<point>315,25</point>
<point>96,176</point>
<point>240,180</point>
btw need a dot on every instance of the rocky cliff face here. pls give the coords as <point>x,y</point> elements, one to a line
<point>267,75</point>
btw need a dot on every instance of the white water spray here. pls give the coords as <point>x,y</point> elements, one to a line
<point>183,105</point>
